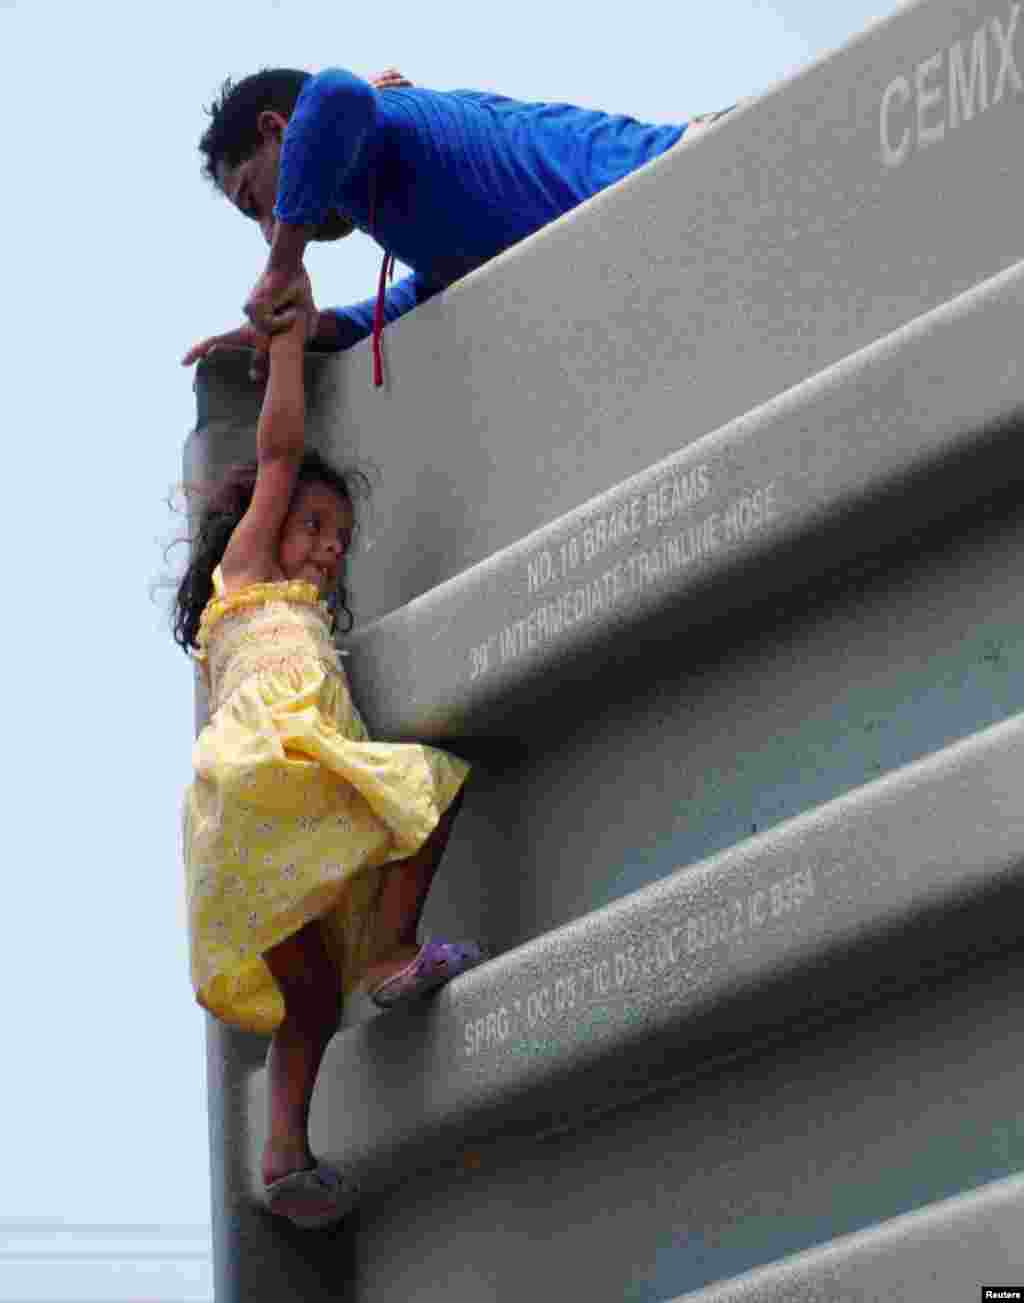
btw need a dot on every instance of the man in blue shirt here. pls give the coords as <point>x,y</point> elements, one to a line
<point>443,180</point>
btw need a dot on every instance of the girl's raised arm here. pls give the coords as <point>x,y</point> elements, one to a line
<point>251,554</point>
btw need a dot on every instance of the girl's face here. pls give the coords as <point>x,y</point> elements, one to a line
<point>316,534</point>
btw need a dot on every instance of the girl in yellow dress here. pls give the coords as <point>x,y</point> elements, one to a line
<point>309,848</point>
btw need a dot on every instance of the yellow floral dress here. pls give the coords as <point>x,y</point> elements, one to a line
<point>294,812</point>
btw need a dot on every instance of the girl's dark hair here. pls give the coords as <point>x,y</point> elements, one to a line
<point>225,502</point>
<point>233,134</point>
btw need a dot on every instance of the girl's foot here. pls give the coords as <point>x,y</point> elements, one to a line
<point>434,964</point>
<point>306,1192</point>
<point>312,1197</point>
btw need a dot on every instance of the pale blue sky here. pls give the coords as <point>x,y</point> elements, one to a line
<point>119,257</point>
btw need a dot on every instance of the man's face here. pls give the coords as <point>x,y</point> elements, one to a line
<point>251,185</point>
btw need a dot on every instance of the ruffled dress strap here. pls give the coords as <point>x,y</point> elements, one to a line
<point>250,595</point>
<point>200,653</point>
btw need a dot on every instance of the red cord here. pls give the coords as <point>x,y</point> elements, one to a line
<point>387,270</point>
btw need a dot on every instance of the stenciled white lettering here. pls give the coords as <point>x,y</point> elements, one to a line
<point>927,97</point>
<point>1007,64</point>
<point>898,89</point>
<point>949,99</point>
<point>642,568</point>
<point>962,91</point>
<point>661,954</point>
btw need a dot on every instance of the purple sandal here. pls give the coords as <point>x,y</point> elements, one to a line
<point>436,963</point>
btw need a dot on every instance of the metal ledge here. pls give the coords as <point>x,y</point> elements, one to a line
<point>945,1252</point>
<point>886,888</point>
<point>867,451</point>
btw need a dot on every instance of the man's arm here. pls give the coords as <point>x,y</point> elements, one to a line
<point>332,329</point>
<point>334,117</point>
<point>333,122</point>
<point>340,328</point>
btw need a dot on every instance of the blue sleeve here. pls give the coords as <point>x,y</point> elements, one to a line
<point>356,321</point>
<point>327,134</point>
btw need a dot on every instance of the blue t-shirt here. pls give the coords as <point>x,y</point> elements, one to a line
<point>458,176</point>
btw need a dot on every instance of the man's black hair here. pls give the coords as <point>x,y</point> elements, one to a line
<point>233,134</point>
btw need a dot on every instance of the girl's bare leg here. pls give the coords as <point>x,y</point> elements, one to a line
<point>308,981</point>
<point>404,895</point>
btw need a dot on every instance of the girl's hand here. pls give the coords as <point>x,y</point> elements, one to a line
<point>248,336</point>
<point>304,322</point>
<point>389,79</point>
<point>276,297</point>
